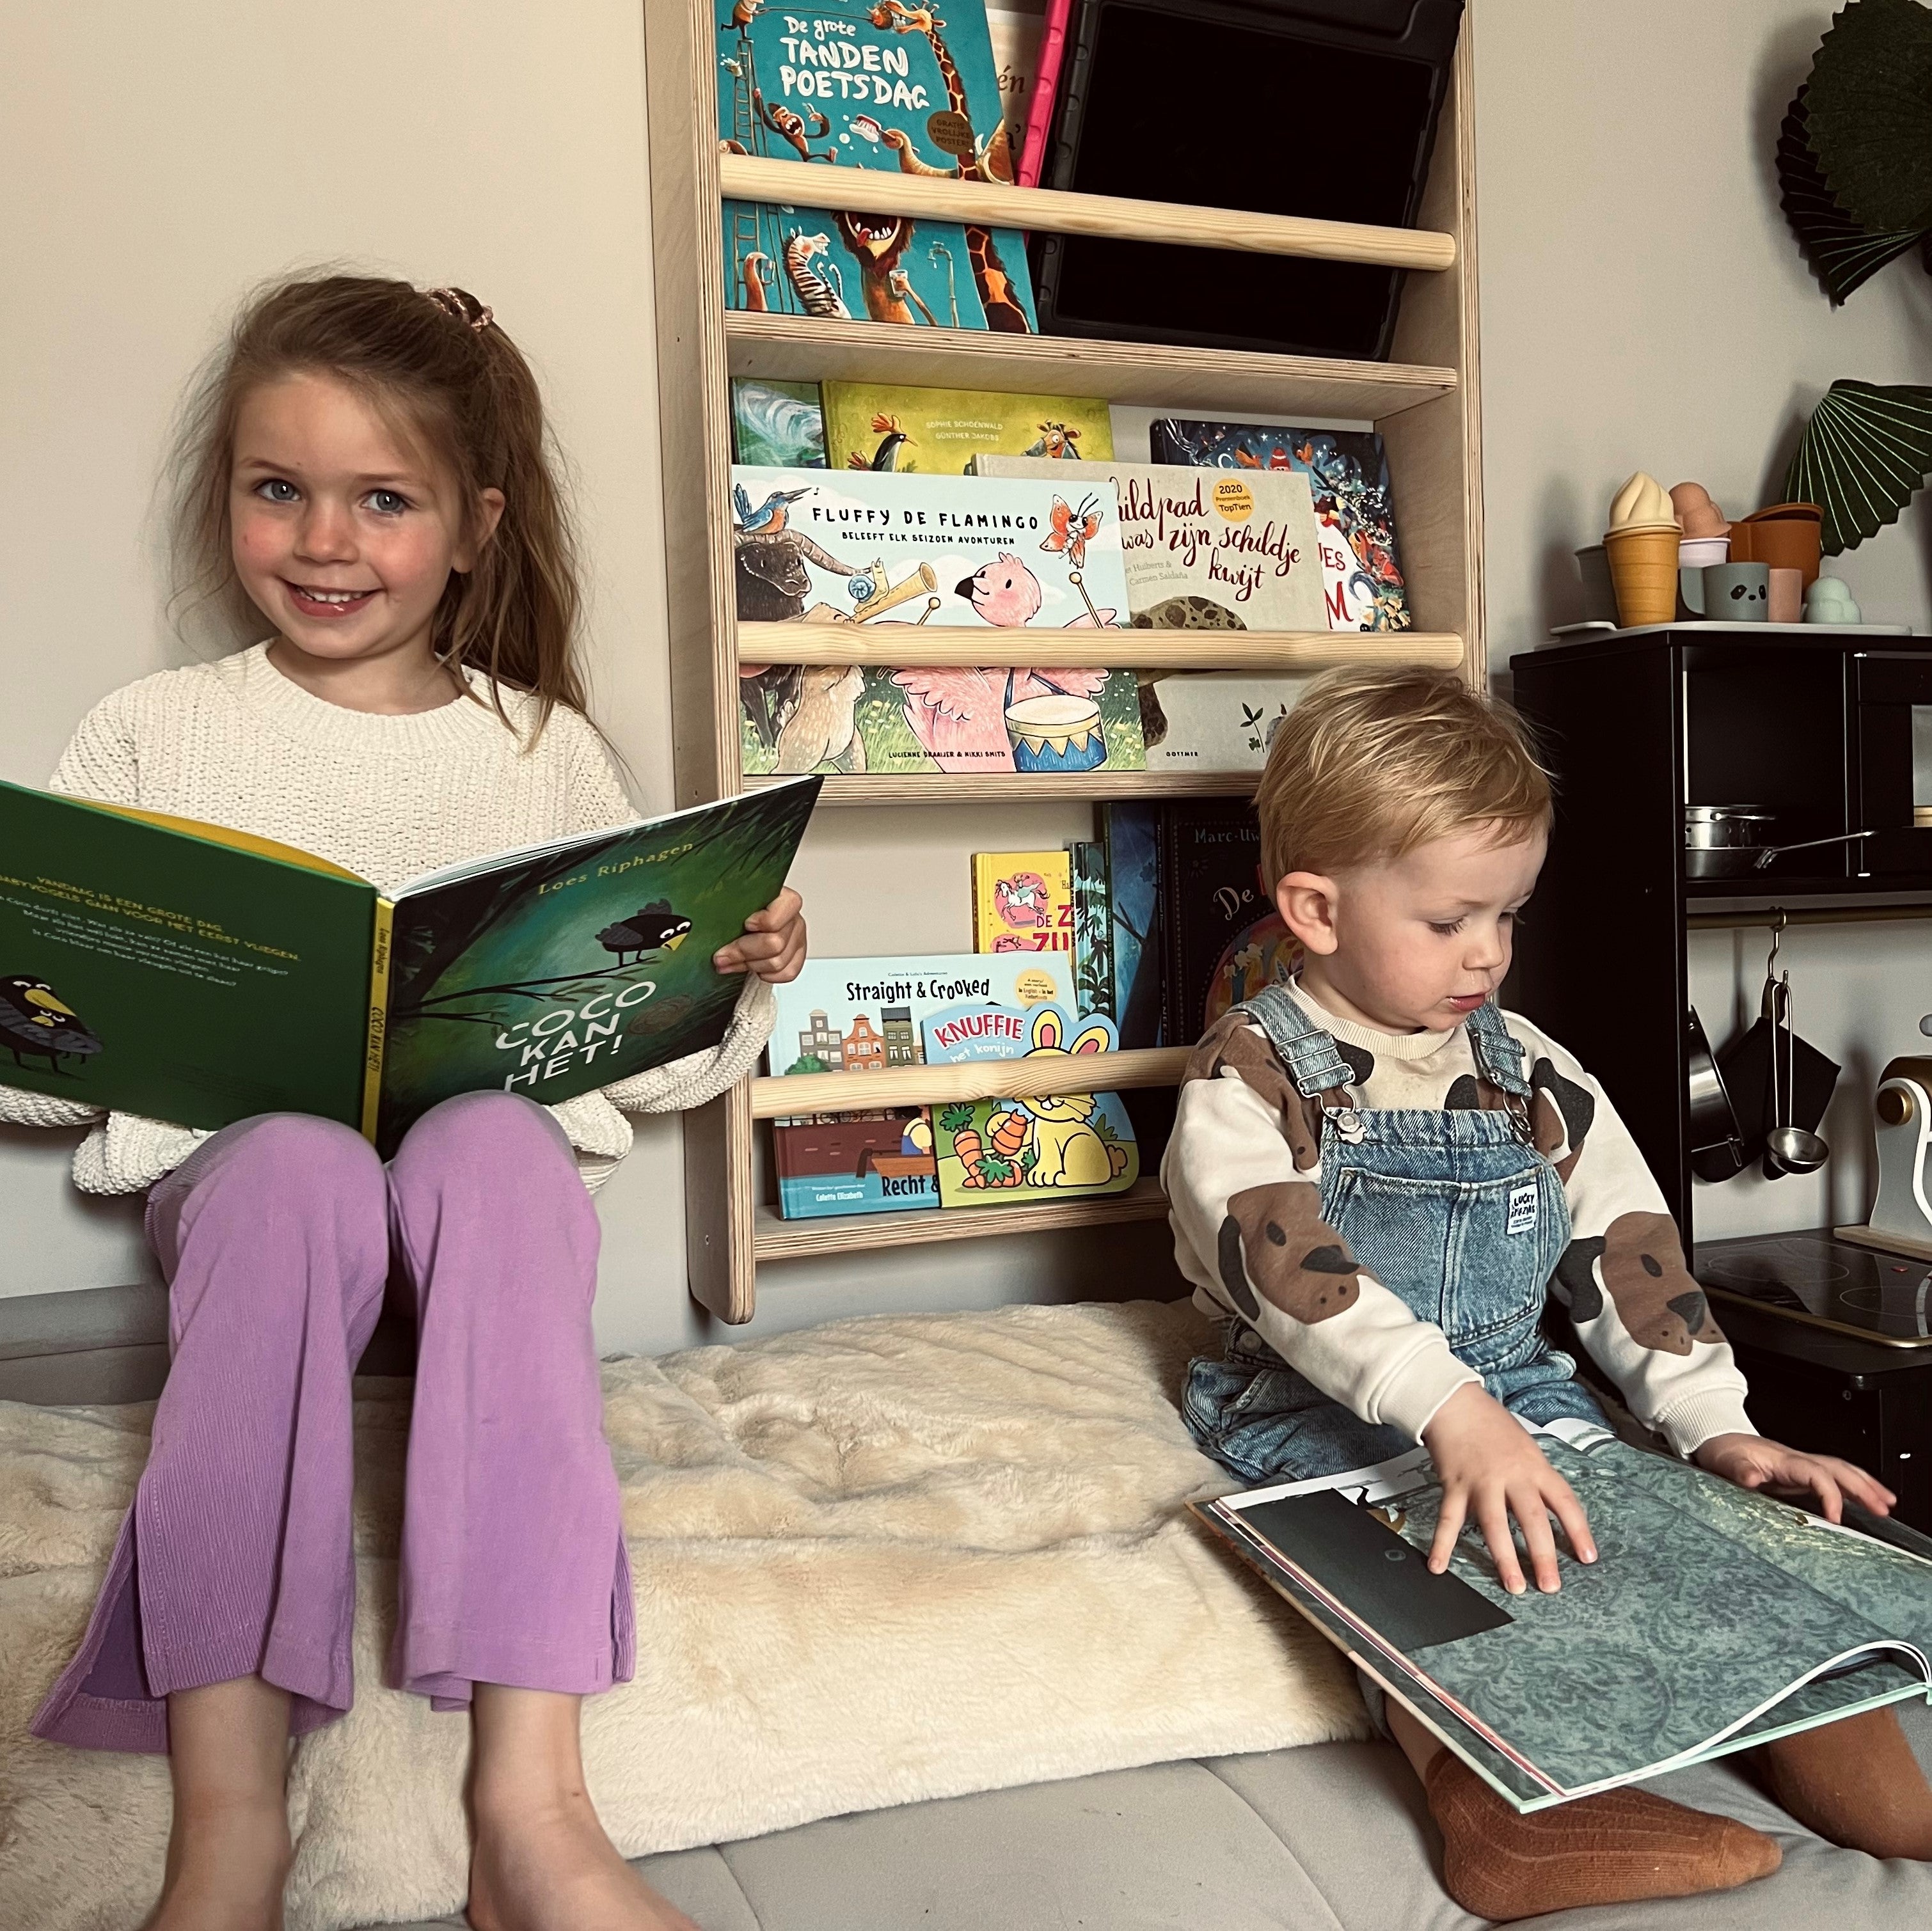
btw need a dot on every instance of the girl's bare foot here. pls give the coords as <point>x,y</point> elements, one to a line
<point>556,1870</point>
<point>228,1849</point>
<point>226,1867</point>
<point>541,1860</point>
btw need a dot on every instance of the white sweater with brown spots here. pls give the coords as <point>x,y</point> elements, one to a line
<point>1244,1138</point>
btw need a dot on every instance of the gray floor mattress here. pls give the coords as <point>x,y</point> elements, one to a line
<point>1330,1838</point>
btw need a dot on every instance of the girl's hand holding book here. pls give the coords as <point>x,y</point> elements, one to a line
<point>1753,1462</point>
<point>1491,1470</point>
<point>773,945</point>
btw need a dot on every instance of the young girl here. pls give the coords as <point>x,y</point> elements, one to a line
<point>366,475</point>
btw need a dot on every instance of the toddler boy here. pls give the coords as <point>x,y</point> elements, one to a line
<point>1377,1176</point>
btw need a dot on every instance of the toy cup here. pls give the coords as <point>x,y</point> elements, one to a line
<point>1599,594</point>
<point>1787,597</point>
<point>1643,566</point>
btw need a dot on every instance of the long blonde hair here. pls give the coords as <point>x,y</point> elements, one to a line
<point>438,361</point>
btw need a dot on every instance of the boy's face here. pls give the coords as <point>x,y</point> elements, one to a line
<point>1417,943</point>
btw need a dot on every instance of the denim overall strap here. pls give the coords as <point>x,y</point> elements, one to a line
<point>1498,1057</point>
<point>1307,1052</point>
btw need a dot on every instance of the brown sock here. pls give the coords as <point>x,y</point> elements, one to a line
<point>1615,1849</point>
<point>1855,1782</point>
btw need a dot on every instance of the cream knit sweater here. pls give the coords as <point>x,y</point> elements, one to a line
<point>236,743</point>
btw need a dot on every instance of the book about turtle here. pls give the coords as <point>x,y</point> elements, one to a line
<point>180,970</point>
<point>863,1015</point>
<point>1714,1619</point>
<point>943,432</point>
<point>1023,901</point>
<point>1214,721</point>
<point>1224,940</point>
<point>868,85</point>
<point>1348,478</point>
<point>869,547</point>
<point>1050,1145</point>
<point>1204,551</point>
<point>781,425</point>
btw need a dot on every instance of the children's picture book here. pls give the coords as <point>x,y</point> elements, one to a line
<point>1348,475</point>
<point>1224,940</point>
<point>868,84</point>
<point>1093,928</point>
<point>1051,1145</point>
<point>162,966</point>
<point>1131,832</point>
<point>1214,721</point>
<point>869,547</point>
<point>1713,1619</point>
<point>942,432</point>
<point>779,424</point>
<point>1014,34</point>
<point>1208,552</point>
<point>862,1015</point>
<point>1023,901</point>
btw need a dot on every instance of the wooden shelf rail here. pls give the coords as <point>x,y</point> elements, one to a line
<point>776,1238</point>
<point>792,1094</point>
<point>1011,788</point>
<point>912,645</point>
<point>800,184</point>
<point>1179,382</point>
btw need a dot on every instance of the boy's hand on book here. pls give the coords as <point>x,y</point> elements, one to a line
<point>1492,1469</point>
<point>1753,1462</point>
<point>773,945</point>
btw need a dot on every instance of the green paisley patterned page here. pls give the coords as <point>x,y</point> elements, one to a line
<point>1713,1619</point>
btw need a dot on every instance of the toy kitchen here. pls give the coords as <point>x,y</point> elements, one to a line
<point>1656,732</point>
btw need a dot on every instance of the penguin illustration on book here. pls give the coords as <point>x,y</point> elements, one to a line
<point>36,1021</point>
<point>655,928</point>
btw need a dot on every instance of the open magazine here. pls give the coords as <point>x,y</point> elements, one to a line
<point>1713,1618</point>
<point>160,966</point>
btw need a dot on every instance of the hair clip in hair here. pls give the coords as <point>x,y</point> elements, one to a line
<point>455,303</point>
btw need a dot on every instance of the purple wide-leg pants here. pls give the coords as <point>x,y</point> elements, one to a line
<point>276,1237</point>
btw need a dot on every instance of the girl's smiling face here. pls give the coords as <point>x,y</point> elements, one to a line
<point>344,532</point>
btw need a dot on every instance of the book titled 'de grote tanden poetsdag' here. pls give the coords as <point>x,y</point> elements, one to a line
<point>162,966</point>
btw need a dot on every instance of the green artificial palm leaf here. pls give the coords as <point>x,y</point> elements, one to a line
<point>1865,453</point>
<point>1840,253</point>
<point>1869,110</point>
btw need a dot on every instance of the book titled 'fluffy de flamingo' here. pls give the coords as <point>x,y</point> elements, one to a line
<point>874,549</point>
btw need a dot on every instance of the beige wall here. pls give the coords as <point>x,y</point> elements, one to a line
<point>1644,307</point>
<point>159,160</point>
<point>1641,306</point>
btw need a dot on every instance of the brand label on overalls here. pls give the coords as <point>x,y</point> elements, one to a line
<point>1522,1208</point>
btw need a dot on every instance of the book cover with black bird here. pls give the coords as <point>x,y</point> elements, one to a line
<point>182,971</point>
<point>943,432</point>
<point>877,85</point>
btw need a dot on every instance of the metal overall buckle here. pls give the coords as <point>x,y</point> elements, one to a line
<point>1347,1123</point>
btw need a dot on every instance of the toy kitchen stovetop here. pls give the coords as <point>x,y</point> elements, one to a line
<point>1834,1327</point>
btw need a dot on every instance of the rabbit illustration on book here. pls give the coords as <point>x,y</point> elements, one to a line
<point>1057,1128</point>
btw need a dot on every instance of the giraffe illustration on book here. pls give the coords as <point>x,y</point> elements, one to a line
<point>952,131</point>
<point>816,295</point>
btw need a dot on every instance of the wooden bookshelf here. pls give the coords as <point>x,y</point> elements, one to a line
<point>1424,401</point>
<point>1095,649</point>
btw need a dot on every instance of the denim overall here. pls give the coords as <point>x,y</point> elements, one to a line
<point>1454,1211</point>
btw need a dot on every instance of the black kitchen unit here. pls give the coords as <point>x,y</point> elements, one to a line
<point>1813,727</point>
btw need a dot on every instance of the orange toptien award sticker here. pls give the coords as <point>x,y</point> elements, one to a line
<point>1234,498</point>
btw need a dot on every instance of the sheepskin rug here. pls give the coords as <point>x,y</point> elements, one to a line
<point>879,1560</point>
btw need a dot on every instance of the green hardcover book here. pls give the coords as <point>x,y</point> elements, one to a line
<point>940,432</point>
<point>158,966</point>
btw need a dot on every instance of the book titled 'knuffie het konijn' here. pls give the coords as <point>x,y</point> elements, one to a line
<point>180,970</point>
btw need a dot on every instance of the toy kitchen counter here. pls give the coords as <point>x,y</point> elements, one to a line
<point>1836,1340</point>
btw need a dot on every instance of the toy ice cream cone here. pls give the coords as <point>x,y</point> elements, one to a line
<point>1643,567</point>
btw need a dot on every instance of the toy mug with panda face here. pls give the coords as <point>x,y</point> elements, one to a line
<point>1734,593</point>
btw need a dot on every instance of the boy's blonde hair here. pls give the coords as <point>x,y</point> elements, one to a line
<point>1373,762</point>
